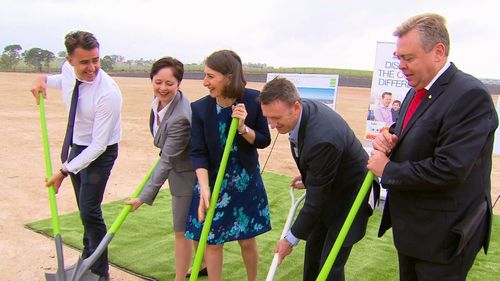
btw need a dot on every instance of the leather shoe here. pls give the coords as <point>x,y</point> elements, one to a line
<point>104,277</point>
<point>202,272</point>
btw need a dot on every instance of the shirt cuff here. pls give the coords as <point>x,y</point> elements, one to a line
<point>291,239</point>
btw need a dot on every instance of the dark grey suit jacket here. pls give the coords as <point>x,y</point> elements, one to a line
<point>438,179</point>
<point>173,140</point>
<point>332,163</point>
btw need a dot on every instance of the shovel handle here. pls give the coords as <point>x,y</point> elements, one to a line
<point>48,167</point>
<point>325,270</point>
<point>213,201</point>
<point>291,214</point>
<point>127,208</point>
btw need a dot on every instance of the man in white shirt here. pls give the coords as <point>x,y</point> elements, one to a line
<point>93,132</point>
<point>383,111</point>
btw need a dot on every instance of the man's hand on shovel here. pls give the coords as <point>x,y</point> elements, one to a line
<point>283,249</point>
<point>56,181</point>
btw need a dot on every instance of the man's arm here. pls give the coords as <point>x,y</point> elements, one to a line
<point>322,162</point>
<point>465,128</point>
<point>41,83</point>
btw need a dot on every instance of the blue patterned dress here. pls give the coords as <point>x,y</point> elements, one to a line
<point>242,210</point>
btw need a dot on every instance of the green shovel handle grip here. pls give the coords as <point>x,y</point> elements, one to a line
<point>325,270</point>
<point>127,208</point>
<point>213,201</point>
<point>48,167</point>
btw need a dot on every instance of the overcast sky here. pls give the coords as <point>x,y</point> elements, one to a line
<point>329,33</point>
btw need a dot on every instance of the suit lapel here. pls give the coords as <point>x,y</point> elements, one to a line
<point>212,128</point>
<point>301,136</point>
<point>302,128</point>
<point>160,138</point>
<point>294,154</point>
<point>171,107</point>
<point>151,121</point>
<point>431,96</point>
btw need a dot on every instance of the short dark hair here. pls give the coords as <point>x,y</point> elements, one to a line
<point>168,62</point>
<point>386,94</point>
<point>396,101</point>
<point>80,39</point>
<point>229,63</point>
<point>280,89</point>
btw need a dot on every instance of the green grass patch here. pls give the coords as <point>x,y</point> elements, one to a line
<point>144,244</point>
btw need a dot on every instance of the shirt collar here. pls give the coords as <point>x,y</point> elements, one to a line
<point>440,72</point>
<point>97,76</point>
<point>161,113</point>
<point>293,136</point>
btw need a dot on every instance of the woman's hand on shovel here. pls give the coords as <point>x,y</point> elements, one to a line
<point>136,203</point>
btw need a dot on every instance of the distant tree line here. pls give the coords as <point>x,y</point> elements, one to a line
<point>39,60</point>
<point>36,59</point>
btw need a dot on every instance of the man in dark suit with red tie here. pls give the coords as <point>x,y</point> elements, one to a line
<point>436,163</point>
<point>332,165</point>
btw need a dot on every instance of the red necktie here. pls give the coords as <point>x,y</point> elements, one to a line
<point>415,102</point>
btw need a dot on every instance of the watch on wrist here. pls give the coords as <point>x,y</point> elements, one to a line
<point>63,172</point>
<point>245,132</point>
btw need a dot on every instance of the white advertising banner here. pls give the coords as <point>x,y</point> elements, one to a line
<point>321,87</point>
<point>496,146</point>
<point>389,87</point>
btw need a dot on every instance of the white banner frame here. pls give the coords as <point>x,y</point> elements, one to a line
<point>321,87</point>
<point>386,78</point>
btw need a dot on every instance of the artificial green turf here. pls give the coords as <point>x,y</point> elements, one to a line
<point>144,244</point>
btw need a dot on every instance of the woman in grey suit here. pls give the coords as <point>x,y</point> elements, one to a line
<point>170,124</point>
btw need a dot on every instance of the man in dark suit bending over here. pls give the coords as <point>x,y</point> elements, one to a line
<point>436,163</point>
<point>332,165</point>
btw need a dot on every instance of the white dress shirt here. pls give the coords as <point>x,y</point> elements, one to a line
<point>159,115</point>
<point>97,121</point>
<point>293,137</point>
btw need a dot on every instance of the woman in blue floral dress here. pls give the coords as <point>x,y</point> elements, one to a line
<point>242,210</point>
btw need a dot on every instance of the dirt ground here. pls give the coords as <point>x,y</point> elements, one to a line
<point>26,254</point>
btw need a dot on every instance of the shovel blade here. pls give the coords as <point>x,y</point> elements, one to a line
<point>60,275</point>
<point>69,274</point>
<point>80,272</point>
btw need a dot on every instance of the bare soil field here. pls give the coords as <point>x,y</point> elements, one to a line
<point>26,254</point>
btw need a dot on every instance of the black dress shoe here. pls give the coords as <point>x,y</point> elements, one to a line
<point>202,272</point>
<point>104,277</point>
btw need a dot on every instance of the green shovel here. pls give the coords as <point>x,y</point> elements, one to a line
<point>325,270</point>
<point>213,201</point>
<point>80,271</point>
<point>60,273</point>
